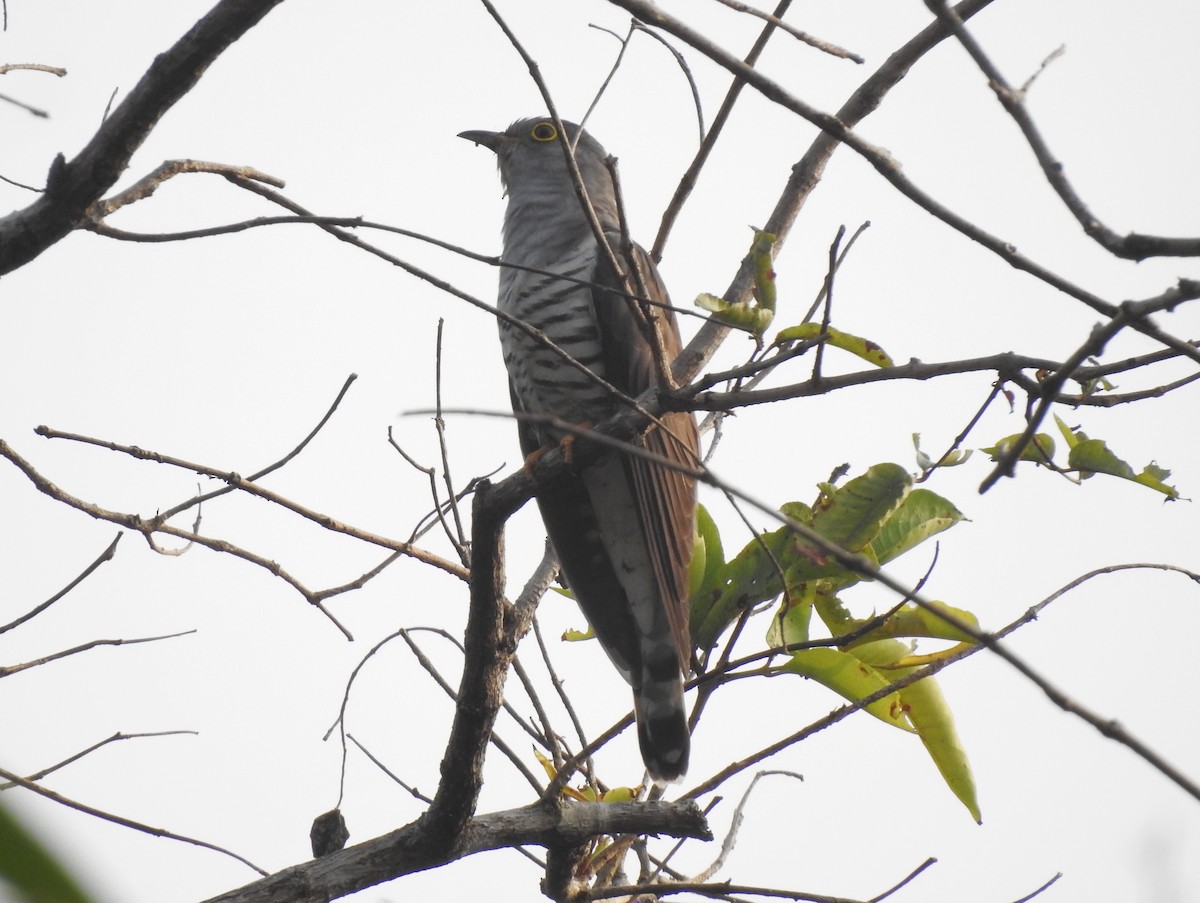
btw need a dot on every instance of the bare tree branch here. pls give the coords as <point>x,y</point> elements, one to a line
<point>72,187</point>
<point>120,820</point>
<point>407,849</point>
<point>839,130</point>
<point>8,670</point>
<point>1133,246</point>
<point>802,36</point>
<point>106,555</point>
<point>236,481</point>
<point>75,757</point>
<point>148,529</point>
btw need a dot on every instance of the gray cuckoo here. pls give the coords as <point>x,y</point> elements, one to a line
<point>622,525</point>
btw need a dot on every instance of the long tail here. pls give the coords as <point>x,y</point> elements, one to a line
<point>661,716</point>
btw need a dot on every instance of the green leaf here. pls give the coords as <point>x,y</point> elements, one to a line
<point>921,514</point>
<point>846,674</point>
<point>929,713</point>
<point>30,869</point>
<point>753,577</point>
<point>1090,456</point>
<point>1094,456</point>
<point>764,273</point>
<point>790,624</point>
<point>852,515</point>
<point>925,708</point>
<point>918,621</point>
<point>753,318</point>
<point>708,557</point>
<point>1152,475</point>
<point>1069,435</point>
<point>834,613</point>
<point>856,345</point>
<point>739,316</point>
<point>1039,450</point>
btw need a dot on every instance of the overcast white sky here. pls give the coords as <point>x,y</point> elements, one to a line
<point>228,350</point>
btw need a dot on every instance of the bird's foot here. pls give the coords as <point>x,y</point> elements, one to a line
<point>566,445</point>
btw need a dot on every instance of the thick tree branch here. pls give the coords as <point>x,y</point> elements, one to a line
<point>72,187</point>
<point>406,850</point>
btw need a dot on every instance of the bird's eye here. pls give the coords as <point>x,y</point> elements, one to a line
<point>544,131</point>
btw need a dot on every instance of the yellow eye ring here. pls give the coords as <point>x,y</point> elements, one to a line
<point>543,131</point>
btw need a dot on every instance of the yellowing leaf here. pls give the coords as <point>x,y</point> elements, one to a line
<point>927,710</point>
<point>621,794</point>
<point>1071,436</point>
<point>856,345</point>
<point>919,621</point>
<point>1040,449</point>
<point>847,675</point>
<point>764,274</point>
<point>740,316</point>
<point>754,318</point>
<point>1094,456</point>
<point>586,795</point>
<point>1090,456</point>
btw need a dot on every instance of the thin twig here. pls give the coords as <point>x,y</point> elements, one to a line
<point>33,67</point>
<point>803,37</point>
<point>735,823</point>
<point>1133,246</point>
<point>827,314</point>
<point>35,111</point>
<point>115,738</point>
<point>148,184</point>
<point>993,394</point>
<point>148,528</point>
<point>104,556</point>
<point>7,670</point>
<point>452,693</point>
<point>417,794</point>
<point>547,736</point>
<point>236,481</point>
<point>331,223</point>
<point>121,820</point>
<point>688,180</point>
<point>681,61</point>
<point>1038,892</point>
<point>905,881</point>
<point>270,468</point>
<point>719,890</point>
<point>1129,313</point>
<point>833,269</point>
<point>840,131</point>
<point>459,537</point>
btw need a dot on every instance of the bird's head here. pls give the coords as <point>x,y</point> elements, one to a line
<point>530,156</point>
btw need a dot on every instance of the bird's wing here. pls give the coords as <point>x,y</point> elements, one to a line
<point>574,530</point>
<point>666,497</point>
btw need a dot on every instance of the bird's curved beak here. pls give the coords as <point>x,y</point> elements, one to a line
<point>490,140</point>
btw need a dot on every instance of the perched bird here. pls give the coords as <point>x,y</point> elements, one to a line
<point>622,525</point>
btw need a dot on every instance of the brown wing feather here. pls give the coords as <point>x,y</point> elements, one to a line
<point>666,498</point>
